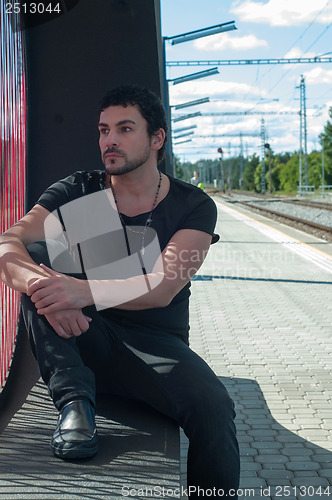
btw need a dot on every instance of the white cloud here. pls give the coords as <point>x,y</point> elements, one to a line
<point>212,88</point>
<point>224,41</point>
<point>282,12</point>
<point>296,52</point>
<point>318,75</point>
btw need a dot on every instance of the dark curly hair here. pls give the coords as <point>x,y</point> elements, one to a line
<point>148,103</point>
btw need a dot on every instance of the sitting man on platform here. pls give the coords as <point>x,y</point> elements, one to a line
<point>104,262</point>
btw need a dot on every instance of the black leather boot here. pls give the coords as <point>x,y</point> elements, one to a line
<point>76,434</point>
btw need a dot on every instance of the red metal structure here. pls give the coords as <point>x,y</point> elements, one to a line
<point>12,163</point>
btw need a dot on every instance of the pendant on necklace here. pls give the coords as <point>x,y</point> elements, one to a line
<point>149,219</point>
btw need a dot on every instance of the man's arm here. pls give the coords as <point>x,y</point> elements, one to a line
<point>19,271</point>
<point>178,263</point>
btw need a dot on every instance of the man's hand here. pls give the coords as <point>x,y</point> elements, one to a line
<point>69,323</point>
<point>59,292</point>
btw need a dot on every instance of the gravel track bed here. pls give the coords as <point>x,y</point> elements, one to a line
<point>318,215</point>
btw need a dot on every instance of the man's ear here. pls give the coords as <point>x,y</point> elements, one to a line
<point>158,139</point>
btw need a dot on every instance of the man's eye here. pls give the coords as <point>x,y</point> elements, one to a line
<point>103,131</point>
<point>126,129</point>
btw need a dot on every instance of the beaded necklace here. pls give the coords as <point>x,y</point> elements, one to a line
<point>148,220</point>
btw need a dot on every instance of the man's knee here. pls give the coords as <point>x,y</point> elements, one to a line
<point>219,401</point>
<point>39,253</point>
<point>210,401</point>
<point>55,255</point>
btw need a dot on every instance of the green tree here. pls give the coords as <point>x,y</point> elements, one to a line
<point>258,178</point>
<point>178,168</point>
<point>273,184</point>
<point>326,142</point>
<point>283,157</point>
<point>315,169</point>
<point>289,174</point>
<point>250,166</point>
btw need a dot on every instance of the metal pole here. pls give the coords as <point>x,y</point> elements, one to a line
<point>229,167</point>
<point>301,141</point>
<point>222,175</point>
<point>270,173</point>
<point>303,137</point>
<point>263,186</point>
<point>169,159</point>
<point>323,170</point>
<point>305,134</point>
<point>241,161</point>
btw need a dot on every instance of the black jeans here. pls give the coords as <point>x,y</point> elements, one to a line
<point>160,370</point>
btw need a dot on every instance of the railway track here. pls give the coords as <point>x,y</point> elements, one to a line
<point>319,230</point>
<point>307,203</point>
<point>293,201</point>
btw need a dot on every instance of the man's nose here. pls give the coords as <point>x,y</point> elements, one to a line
<point>112,139</point>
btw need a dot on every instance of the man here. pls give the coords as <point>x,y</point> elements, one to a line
<point>96,325</point>
<point>195,180</point>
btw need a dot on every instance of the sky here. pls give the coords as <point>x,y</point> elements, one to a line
<point>265,29</point>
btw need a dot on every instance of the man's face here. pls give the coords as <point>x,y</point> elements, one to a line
<point>123,139</point>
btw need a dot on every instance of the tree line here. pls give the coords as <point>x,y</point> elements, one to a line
<point>281,169</point>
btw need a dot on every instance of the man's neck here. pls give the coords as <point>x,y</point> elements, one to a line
<point>137,184</point>
<point>135,192</point>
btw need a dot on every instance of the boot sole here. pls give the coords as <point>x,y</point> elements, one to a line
<point>78,451</point>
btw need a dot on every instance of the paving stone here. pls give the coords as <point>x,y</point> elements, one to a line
<point>313,434</point>
<point>242,427</point>
<point>323,413</point>
<point>275,459</point>
<point>275,474</point>
<point>315,422</point>
<point>247,459</point>
<point>253,482</point>
<point>251,466</point>
<point>297,457</point>
<point>327,473</point>
<point>327,444</point>
<point>284,438</point>
<point>248,474</point>
<point>248,452</point>
<point>273,466</point>
<point>244,438</point>
<point>267,434</point>
<point>279,482</point>
<point>301,444</point>
<point>309,482</point>
<point>307,465</point>
<point>323,458</point>
<point>267,451</point>
<point>277,497</point>
<point>313,427</point>
<point>289,426</point>
<point>306,474</point>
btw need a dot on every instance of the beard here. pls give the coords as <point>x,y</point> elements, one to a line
<point>126,165</point>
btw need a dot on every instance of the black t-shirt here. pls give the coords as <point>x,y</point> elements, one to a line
<point>184,207</point>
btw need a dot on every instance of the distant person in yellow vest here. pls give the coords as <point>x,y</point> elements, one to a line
<point>195,180</point>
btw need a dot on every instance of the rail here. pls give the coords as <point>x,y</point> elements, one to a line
<point>314,225</point>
